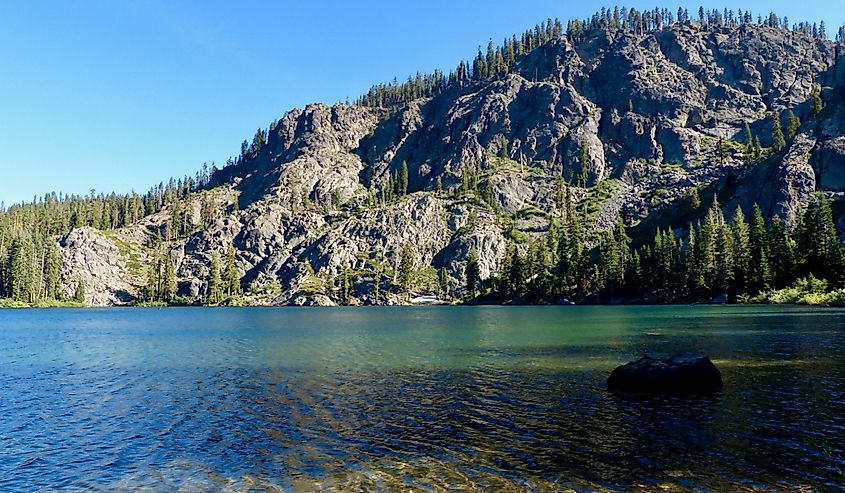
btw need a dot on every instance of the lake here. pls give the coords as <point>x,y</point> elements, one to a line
<point>431,399</point>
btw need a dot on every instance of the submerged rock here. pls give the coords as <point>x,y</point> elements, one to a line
<point>677,375</point>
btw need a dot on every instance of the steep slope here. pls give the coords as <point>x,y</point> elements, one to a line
<point>640,120</point>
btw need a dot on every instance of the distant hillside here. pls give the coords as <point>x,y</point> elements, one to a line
<point>600,161</point>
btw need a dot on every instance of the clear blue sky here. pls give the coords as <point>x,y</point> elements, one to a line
<point>118,95</point>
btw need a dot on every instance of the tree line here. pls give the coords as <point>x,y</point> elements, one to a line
<point>30,268</point>
<point>500,60</point>
<point>223,282</point>
<point>55,214</point>
<point>30,263</point>
<point>642,22</point>
<point>713,257</point>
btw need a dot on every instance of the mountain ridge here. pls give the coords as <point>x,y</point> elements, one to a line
<point>626,127</point>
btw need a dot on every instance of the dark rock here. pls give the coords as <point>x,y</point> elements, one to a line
<point>677,375</point>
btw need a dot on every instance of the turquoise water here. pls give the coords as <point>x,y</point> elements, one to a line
<point>431,399</point>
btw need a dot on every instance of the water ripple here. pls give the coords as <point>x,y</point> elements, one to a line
<point>298,401</point>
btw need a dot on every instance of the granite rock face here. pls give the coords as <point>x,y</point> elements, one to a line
<point>93,259</point>
<point>644,114</point>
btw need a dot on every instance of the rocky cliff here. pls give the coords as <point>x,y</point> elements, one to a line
<point>645,119</point>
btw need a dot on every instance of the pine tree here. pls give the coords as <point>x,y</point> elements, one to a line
<point>503,286</point>
<point>695,199</point>
<point>694,273</point>
<point>721,150</point>
<point>816,102</point>
<point>749,152</point>
<point>819,242</point>
<point>479,67</point>
<point>569,245</point>
<point>346,286</point>
<point>724,273</point>
<point>406,268</point>
<point>635,275</point>
<point>169,283</point>
<point>778,141</point>
<point>585,163</point>
<point>403,179</point>
<point>560,194</point>
<point>713,257</point>
<point>707,238</point>
<point>792,124</point>
<point>741,253</point>
<point>215,281</point>
<point>517,288</point>
<point>663,253</point>
<point>759,273</point>
<point>782,254</point>
<point>52,270</point>
<point>231,276</point>
<point>175,226</point>
<point>21,270</point>
<point>443,281</point>
<point>490,60</point>
<point>504,151</point>
<point>537,271</point>
<point>79,294</point>
<point>206,211</point>
<point>472,272</point>
<point>758,149</point>
<point>4,264</point>
<point>612,263</point>
<point>151,289</point>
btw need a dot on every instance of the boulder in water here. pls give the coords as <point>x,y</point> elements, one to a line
<point>676,375</point>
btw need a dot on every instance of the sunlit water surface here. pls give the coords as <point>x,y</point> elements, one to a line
<point>431,399</point>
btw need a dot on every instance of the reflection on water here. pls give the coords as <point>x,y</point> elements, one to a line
<point>432,399</point>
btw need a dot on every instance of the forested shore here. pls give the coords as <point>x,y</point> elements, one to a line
<point>497,182</point>
<point>738,260</point>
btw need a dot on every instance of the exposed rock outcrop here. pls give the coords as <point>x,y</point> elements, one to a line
<point>90,257</point>
<point>639,118</point>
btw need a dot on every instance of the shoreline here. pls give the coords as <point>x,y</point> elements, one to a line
<point>439,305</point>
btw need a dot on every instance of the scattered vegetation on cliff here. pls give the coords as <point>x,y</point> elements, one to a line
<point>498,61</point>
